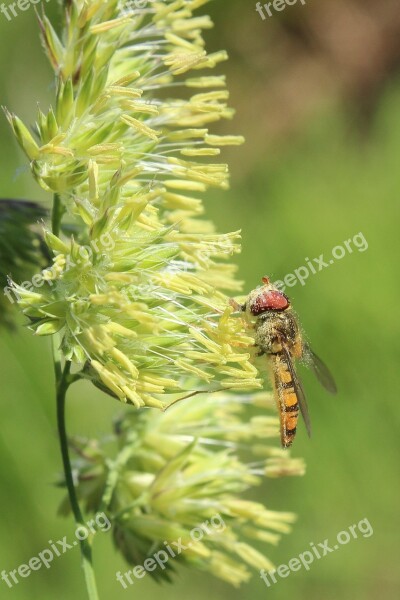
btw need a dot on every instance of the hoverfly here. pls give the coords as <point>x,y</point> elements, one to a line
<point>279,337</point>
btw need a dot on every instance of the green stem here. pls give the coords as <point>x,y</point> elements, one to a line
<point>63,381</point>
<point>56,215</point>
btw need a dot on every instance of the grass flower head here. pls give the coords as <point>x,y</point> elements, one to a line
<point>139,291</point>
<point>164,475</point>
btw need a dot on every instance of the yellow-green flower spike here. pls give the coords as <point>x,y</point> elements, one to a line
<point>189,467</point>
<point>128,164</point>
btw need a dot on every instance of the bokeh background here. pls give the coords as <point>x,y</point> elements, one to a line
<point>317,93</point>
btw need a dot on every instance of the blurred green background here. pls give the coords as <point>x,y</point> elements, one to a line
<point>317,93</point>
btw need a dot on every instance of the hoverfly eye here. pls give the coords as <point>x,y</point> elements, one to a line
<point>272,300</point>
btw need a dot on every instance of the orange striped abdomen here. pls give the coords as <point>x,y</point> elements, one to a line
<point>287,400</point>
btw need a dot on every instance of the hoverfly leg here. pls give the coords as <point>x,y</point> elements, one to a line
<point>236,306</point>
<point>195,393</point>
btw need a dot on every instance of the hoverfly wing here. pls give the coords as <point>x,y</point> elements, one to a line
<point>321,371</point>
<point>299,391</point>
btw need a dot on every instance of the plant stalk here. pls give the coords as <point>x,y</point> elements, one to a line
<point>63,381</point>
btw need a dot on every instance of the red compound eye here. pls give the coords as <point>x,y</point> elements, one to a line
<point>271,300</point>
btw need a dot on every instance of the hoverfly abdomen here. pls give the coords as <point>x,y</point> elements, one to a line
<point>287,399</point>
